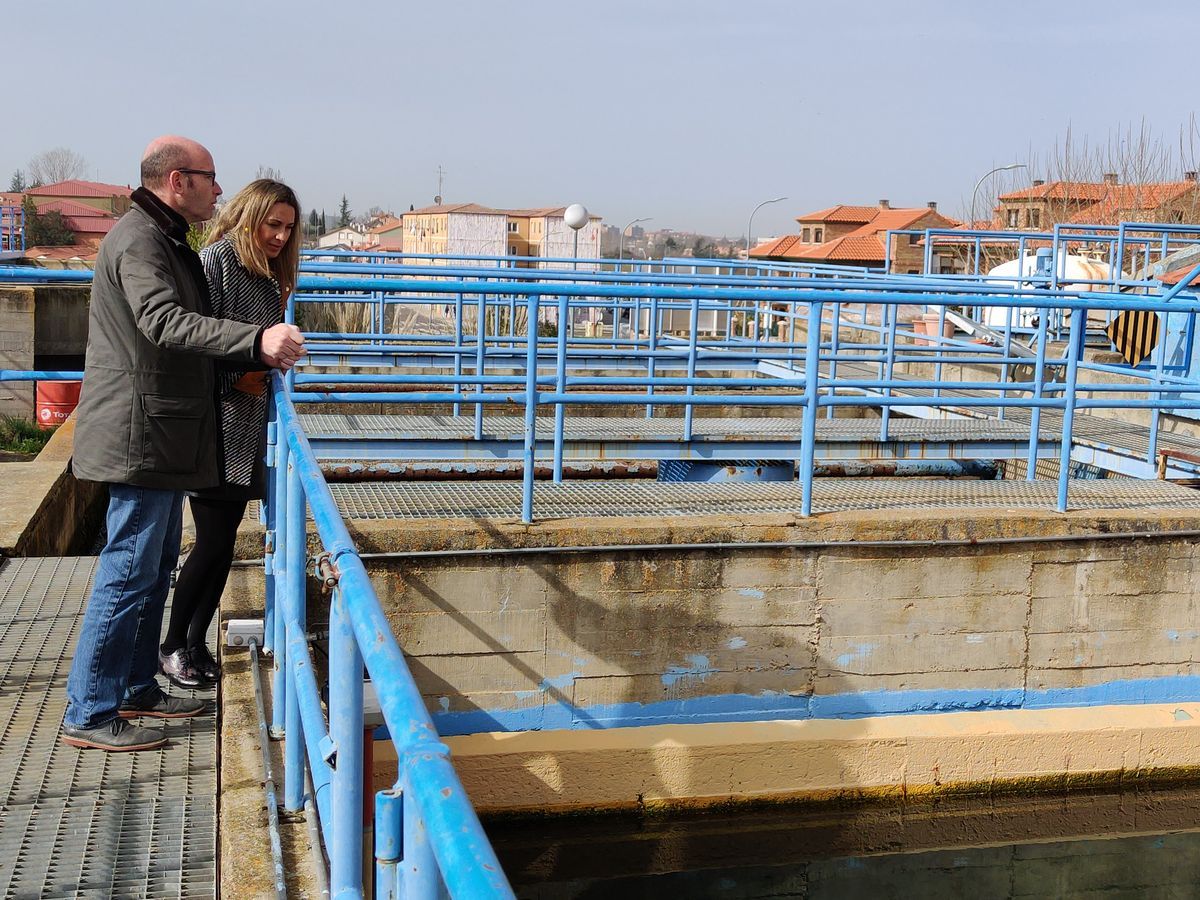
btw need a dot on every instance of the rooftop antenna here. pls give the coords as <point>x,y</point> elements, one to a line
<point>437,201</point>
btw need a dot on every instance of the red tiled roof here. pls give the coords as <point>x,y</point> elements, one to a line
<point>78,188</point>
<point>80,251</point>
<point>390,224</point>
<point>778,247</point>
<point>70,208</point>
<point>864,244</point>
<point>842,213</point>
<point>1134,197</point>
<point>1061,190</point>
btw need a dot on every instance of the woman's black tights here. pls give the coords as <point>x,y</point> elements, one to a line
<point>202,578</point>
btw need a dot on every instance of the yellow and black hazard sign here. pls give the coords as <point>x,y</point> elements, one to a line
<point>1134,332</point>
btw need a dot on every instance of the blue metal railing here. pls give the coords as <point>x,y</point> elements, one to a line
<point>427,812</point>
<point>497,359</point>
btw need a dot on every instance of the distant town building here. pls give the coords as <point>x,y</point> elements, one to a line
<point>386,235</point>
<point>113,199</point>
<point>468,229</point>
<point>351,237</point>
<point>855,236</point>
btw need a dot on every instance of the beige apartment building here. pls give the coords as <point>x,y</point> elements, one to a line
<point>468,229</point>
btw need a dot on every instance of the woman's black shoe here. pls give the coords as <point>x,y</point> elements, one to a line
<point>204,662</point>
<point>180,670</point>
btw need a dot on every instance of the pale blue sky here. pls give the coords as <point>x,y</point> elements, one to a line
<point>689,112</point>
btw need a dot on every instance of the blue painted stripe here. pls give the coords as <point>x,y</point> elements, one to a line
<point>779,706</point>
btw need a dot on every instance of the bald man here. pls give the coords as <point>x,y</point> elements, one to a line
<point>146,427</point>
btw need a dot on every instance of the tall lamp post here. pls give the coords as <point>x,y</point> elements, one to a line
<point>575,216</point>
<point>750,224</point>
<point>621,239</point>
<point>985,177</point>
<point>749,227</point>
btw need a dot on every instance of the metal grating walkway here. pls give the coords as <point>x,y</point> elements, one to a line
<point>368,436</point>
<point>609,499</point>
<point>82,823</point>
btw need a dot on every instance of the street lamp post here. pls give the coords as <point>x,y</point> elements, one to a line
<point>985,177</point>
<point>575,216</point>
<point>750,224</point>
<point>621,239</point>
<point>749,228</point>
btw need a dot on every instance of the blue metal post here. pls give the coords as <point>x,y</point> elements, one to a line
<point>834,343</point>
<point>1039,379</point>
<point>812,371</point>
<point>294,609</point>
<point>531,402</point>
<point>891,315</point>
<point>560,374</point>
<point>479,350</point>
<point>1078,318</point>
<point>693,329</point>
<point>419,878</point>
<point>458,344</point>
<point>271,517</point>
<point>650,363</point>
<point>279,649</point>
<point>1160,355</point>
<point>389,843</point>
<point>346,733</point>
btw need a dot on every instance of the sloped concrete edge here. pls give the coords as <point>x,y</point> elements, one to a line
<point>680,766</point>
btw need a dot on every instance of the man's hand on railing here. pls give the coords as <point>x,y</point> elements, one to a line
<point>282,346</point>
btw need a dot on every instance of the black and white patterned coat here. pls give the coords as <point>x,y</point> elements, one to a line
<point>242,296</point>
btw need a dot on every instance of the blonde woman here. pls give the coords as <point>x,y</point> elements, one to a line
<point>250,264</point>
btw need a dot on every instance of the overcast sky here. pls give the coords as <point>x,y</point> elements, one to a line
<point>689,112</point>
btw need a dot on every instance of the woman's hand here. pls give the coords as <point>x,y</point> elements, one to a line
<point>252,383</point>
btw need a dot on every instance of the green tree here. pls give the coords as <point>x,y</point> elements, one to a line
<point>314,221</point>
<point>324,227</point>
<point>46,229</point>
<point>17,183</point>
<point>344,213</point>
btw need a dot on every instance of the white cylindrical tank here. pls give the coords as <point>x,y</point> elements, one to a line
<point>1073,272</point>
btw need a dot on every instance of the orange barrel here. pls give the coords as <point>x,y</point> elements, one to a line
<point>55,401</point>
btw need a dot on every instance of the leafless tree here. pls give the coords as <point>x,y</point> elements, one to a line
<point>268,172</point>
<point>59,164</point>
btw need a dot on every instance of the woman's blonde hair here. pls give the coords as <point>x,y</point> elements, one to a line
<point>239,219</point>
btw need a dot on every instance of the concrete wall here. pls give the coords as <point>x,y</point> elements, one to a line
<point>667,636</point>
<point>36,322</point>
<point>16,348</point>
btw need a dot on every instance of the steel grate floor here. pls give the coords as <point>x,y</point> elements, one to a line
<point>368,427</point>
<point>608,499</point>
<point>77,823</point>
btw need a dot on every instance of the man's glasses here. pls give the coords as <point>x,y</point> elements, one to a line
<point>210,175</point>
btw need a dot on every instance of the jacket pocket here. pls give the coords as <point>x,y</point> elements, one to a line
<point>171,429</point>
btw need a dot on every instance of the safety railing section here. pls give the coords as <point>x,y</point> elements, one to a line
<point>12,230</point>
<point>426,832</point>
<point>511,341</point>
<point>497,364</point>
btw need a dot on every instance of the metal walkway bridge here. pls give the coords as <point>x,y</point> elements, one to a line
<point>451,361</point>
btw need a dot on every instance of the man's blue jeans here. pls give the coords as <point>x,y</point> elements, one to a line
<point>117,653</point>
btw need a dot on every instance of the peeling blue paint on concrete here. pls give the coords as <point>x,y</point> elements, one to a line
<point>699,669</point>
<point>753,593</point>
<point>859,652</point>
<point>736,643</point>
<point>559,681</point>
